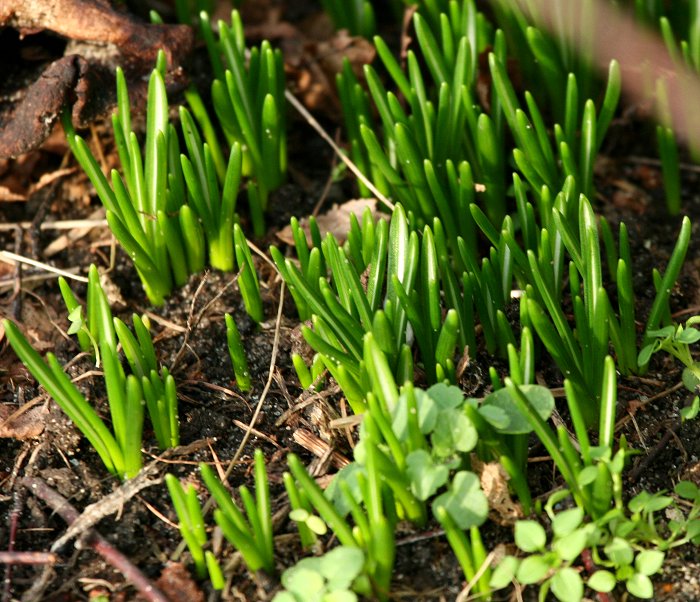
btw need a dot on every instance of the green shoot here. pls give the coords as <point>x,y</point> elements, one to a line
<point>237,354</point>
<point>249,530</point>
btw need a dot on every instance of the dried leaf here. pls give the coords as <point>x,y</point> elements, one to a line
<point>177,584</point>
<point>7,195</point>
<point>22,424</point>
<point>494,482</point>
<point>335,221</point>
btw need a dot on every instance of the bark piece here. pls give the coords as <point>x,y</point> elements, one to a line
<point>100,38</point>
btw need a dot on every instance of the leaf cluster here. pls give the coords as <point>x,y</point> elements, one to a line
<point>127,393</point>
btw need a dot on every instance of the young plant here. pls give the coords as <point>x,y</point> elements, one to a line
<point>239,359</point>
<point>248,96</point>
<point>119,450</point>
<point>356,16</point>
<point>592,474</point>
<point>249,529</point>
<point>214,205</point>
<point>157,384</point>
<point>192,529</point>
<point>405,277</point>
<point>676,340</point>
<point>622,546</point>
<point>328,577</point>
<point>168,211</point>
<point>137,201</point>
<point>374,533</point>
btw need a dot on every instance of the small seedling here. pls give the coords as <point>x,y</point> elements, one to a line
<point>248,530</point>
<point>237,354</point>
<point>332,577</point>
<point>625,546</point>
<point>248,96</point>
<point>192,529</point>
<point>676,340</point>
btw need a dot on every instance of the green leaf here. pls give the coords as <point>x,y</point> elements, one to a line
<point>587,476</point>
<point>304,579</point>
<point>342,595</point>
<point>619,551</point>
<point>647,502</point>
<point>691,377</point>
<point>691,411</point>
<point>570,546</point>
<point>649,562</point>
<point>341,566</point>
<point>530,536</point>
<point>504,573</point>
<point>426,476</point>
<point>602,581</point>
<point>446,396</point>
<point>75,317</point>
<point>567,585</point>
<point>453,432</point>
<point>495,416</point>
<point>465,501</point>
<point>640,585</point>
<point>532,569</point>
<point>540,397</point>
<point>567,521</point>
<point>687,490</point>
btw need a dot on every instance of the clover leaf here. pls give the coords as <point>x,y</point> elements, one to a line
<point>540,397</point>
<point>426,476</point>
<point>464,501</point>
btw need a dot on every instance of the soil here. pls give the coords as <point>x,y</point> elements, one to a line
<point>215,415</point>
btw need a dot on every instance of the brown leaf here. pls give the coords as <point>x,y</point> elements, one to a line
<point>177,584</point>
<point>494,482</point>
<point>336,220</point>
<point>23,423</point>
<point>7,195</point>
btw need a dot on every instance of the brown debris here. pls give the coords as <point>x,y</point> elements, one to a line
<point>335,221</point>
<point>25,423</point>
<point>494,481</point>
<point>177,584</point>
<point>100,39</point>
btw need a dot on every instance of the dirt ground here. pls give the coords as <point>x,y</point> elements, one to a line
<point>215,416</point>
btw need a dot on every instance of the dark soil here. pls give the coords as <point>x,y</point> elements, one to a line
<point>215,414</point>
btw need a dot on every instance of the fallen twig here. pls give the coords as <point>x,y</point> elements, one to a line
<point>110,504</point>
<point>91,538</point>
<point>16,557</point>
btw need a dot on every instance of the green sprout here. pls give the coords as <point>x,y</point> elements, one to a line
<point>172,210</point>
<point>356,16</point>
<point>127,394</point>
<point>137,201</point>
<point>249,530</point>
<point>248,96</point>
<point>192,529</point>
<point>237,354</point>
<point>119,450</point>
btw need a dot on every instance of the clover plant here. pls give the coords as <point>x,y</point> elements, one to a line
<point>624,546</point>
<point>328,578</point>
<point>676,341</point>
